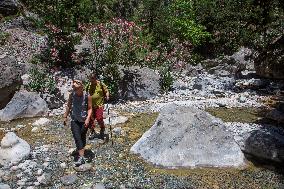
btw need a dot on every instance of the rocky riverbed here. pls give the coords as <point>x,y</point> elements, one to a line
<point>50,164</point>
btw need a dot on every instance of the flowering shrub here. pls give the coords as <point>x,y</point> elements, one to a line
<point>117,42</point>
<point>60,49</point>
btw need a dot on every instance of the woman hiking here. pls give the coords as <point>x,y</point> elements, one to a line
<point>79,106</point>
<point>99,92</point>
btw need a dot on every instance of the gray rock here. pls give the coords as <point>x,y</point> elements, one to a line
<point>265,145</point>
<point>83,168</point>
<point>24,104</point>
<point>99,186</point>
<point>9,7</point>
<point>188,137</point>
<point>115,120</point>
<point>276,116</point>
<point>69,179</point>
<point>260,141</point>
<point>4,186</point>
<point>10,79</point>
<point>42,122</point>
<point>44,179</point>
<point>231,66</point>
<point>139,84</point>
<point>13,149</point>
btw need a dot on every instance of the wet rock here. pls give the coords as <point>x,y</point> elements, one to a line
<point>69,179</point>
<point>13,149</point>
<point>24,104</point>
<point>188,137</point>
<point>10,79</point>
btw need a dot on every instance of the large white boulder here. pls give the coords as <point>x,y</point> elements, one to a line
<point>188,137</point>
<point>13,149</point>
<point>24,104</point>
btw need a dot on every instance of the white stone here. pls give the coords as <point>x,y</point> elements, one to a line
<point>115,120</point>
<point>39,172</point>
<point>4,186</point>
<point>188,137</point>
<point>35,130</point>
<point>99,186</point>
<point>63,165</point>
<point>42,122</point>
<point>11,151</point>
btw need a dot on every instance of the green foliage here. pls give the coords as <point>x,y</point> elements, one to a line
<point>238,23</point>
<point>40,81</point>
<point>166,78</point>
<point>3,37</point>
<point>181,19</point>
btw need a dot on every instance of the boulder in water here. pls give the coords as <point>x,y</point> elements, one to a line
<point>188,137</point>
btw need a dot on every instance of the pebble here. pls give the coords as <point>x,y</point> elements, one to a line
<point>99,186</point>
<point>39,172</point>
<point>83,168</point>
<point>69,179</point>
<point>63,165</point>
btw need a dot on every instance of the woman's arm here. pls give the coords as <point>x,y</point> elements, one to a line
<point>87,121</point>
<point>67,111</point>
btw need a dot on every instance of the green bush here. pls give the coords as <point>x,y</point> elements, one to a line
<point>166,78</point>
<point>3,37</point>
<point>41,81</point>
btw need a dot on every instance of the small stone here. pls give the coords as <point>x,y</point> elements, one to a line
<point>63,165</point>
<point>99,186</point>
<point>39,172</point>
<point>45,164</point>
<point>14,168</point>
<point>69,179</point>
<point>36,183</point>
<point>20,175</point>
<point>41,122</point>
<point>35,129</point>
<point>83,168</point>
<point>44,179</point>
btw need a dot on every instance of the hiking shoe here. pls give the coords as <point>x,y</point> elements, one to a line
<point>80,161</point>
<point>93,135</point>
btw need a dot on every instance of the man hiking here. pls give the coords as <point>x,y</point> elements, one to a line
<point>79,106</point>
<point>99,92</point>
